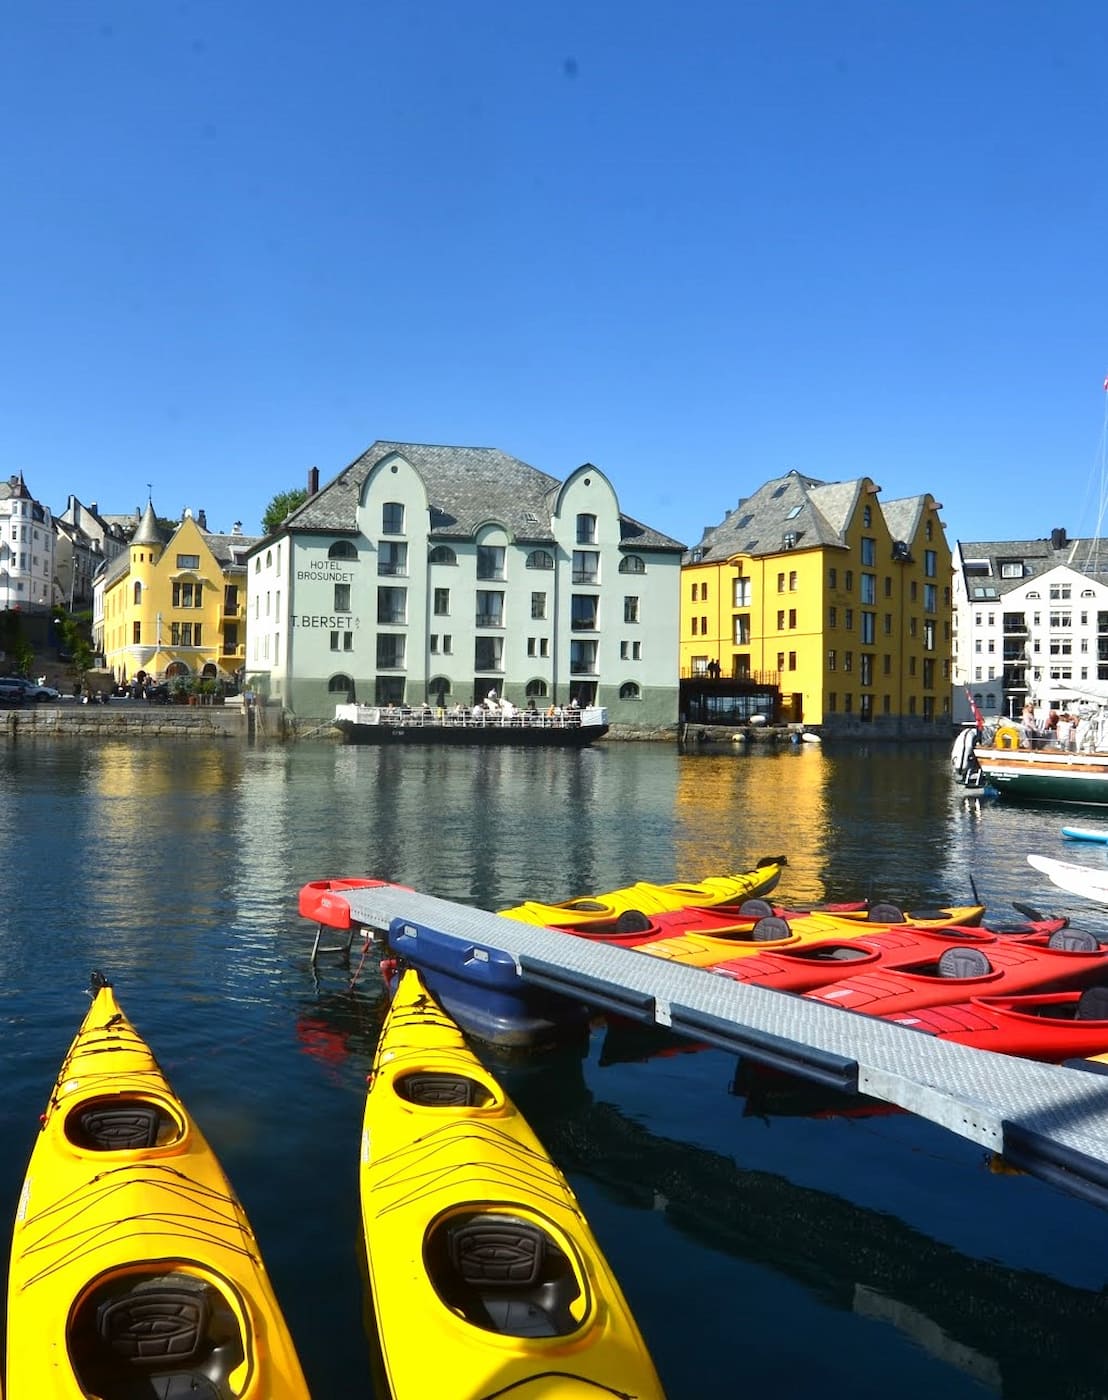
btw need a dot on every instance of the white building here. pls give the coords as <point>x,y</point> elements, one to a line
<point>1031,622</point>
<point>442,573</point>
<point>26,550</point>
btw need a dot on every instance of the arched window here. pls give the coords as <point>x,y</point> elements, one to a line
<point>536,689</point>
<point>340,684</point>
<point>209,672</point>
<point>138,594</point>
<point>540,559</point>
<point>258,564</point>
<point>269,559</point>
<point>342,549</point>
<point>629,691</point>
<point>442,554</point>
<point>632,564</point>
<point>438,688</point>
<point>176,668</point>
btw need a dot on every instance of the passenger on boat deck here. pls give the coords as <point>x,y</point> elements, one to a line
<point>1064,731</point>
<point>1029,731</point>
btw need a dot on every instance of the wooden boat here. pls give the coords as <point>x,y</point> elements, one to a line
<point>1039,775</point>
<point>1070,959</point>
<point>486,1279</point>
<point>1084,880</point>
<point>820,964</point>
<point>653,899</point>
<point>134,1271</point>
<point>1053,1026</point>
<point>402,724</point>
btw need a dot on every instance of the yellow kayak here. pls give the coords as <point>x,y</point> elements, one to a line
<point>134,1271</point>
<point>744,939</point>
<point>653,899</point>
<point>485,1276</point>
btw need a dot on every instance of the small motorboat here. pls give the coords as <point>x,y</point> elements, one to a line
<point>485,1276</point>
<point>654,899</point>
<point>134,1270</point>
<point>1070,959</point>
<point>821,963</point>
<point>1053,1026</point>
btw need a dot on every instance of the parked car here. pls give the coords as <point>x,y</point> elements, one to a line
<point>31,689</point>
<point>10,693</point>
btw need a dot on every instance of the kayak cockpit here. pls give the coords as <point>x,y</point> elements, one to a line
<point>505,1273</point>
<point>122,1124</point>
<point>139,1335</point>
<point>443,1089</point>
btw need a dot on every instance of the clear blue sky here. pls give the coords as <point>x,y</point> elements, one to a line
<point>694,244</point>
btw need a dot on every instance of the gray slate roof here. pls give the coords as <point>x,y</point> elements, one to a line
<point>1087,555</point>
<point>815,511</point>
<point>466,487</point>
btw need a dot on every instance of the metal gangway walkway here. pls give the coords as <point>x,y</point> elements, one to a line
<point>1046,1120</point>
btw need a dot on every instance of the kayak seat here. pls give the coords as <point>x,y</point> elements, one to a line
<point>504,1274</point>
<point>1092,1005</point>
<point>443,1090</point>
<point>119,1126</point>
<point>756,909</point>
<point>885,914</point>
<point>833,952</point>
<point>156,1337</point>
<point>963,962</point>
<point>770,930</point>
<point>633,921</point>
<point>1073,940</point>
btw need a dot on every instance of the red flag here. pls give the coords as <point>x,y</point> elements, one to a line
<point>978,717</point>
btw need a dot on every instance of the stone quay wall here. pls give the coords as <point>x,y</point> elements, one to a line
<point>119,720</point>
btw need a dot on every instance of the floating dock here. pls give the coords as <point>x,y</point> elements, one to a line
<point>1046,1120</point>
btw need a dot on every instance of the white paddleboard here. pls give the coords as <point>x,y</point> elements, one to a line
<point>1077,879</point>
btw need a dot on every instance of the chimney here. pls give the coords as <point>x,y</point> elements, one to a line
<point>313,481</point>
<point>94,508</point>
<point>236,528</point>
<point>202,518</point>
<point>1058,538</point>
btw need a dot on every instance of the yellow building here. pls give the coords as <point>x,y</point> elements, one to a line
<point>176,609</point>
<point>824,601</point>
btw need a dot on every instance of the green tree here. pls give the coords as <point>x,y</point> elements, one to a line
<point>284,503</point>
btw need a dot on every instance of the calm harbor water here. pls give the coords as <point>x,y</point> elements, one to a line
<point>764,1250</point>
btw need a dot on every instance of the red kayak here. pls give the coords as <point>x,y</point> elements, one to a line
<point>1052,1026</point>
<point>1069,959</point>
<point>819,964</point>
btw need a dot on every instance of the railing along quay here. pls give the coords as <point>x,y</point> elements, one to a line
<point>1046,1120</point>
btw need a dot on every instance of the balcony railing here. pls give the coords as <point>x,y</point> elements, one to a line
<point>489,619</point>
<point>393,619</point>
<point>384,566</point>
<point>585,576</point>
<point>583,624</point>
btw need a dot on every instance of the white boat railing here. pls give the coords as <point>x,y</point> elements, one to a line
<point>474,717</point>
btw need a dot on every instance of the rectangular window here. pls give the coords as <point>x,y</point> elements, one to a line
<point>888,586</point>
<point>741,593</point>
<point>865,666</point>
<point>832,660</point>
<point>929,562</point>
<point>792,618</point>
<point>390,650</point>
<point>780,661</point>
<point>848,580</point>
<point>832,617</point>
<point>544,646</point>
<point>447,644</point>
<point>392,558</point>
<point>741,631</point>
<point>929,636</point>
<point>848,661</point>
<point>231,639</point>
<point>869,552</point>
<point>869,588</point>
<point>930,597</point>
<point>848,619</point>
<point>586,529</point>
<point>538,606</point>
<point>781,620</point>
<point>887,625</point>
<point>392,518</point>
<point>488,653</point>
<point>392,606</point>
<point>434,644</point>
<point>188,595</point>
<point>490,561</point>
<point>586,566</point>
<point>780,583</point>
<point>792,580</point>
<point>630,609</point>
<point>832,578</point>
<point>694,623</point>
<point>583,607</point>
<point>342,597</point>
<point>869,628</point>
<point>490,609</point>
<point>442,602</point>
<point>582,657</point>
<point>188,561</point>
<point>136,634</point>
<point>792,660</point>
<point>887,667</point>
<point>832,702</point>
<point>230,599</point>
